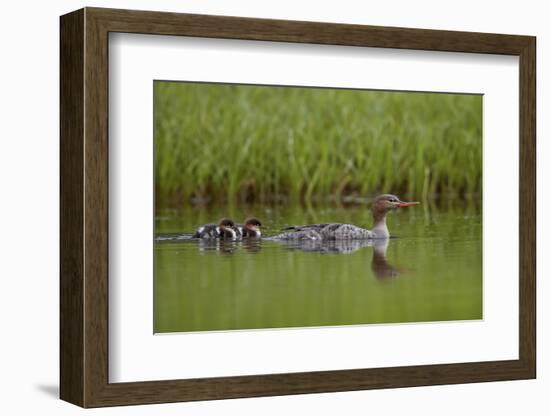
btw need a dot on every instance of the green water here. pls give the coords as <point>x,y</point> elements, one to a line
<point>432,271</point>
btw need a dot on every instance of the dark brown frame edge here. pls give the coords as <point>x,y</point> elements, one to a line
<point>84,207</point>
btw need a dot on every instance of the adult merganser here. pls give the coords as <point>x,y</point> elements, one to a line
<point>226,229</point>
<point>251,228</point>
<point>381,205</point>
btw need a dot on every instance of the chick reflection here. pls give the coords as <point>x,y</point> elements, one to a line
<point>217,246</point>
<point>252,246</point>
<point>379,264</point>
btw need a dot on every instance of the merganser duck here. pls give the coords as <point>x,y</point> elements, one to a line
<point>251,228</point>
<point>226,229</point>
<point>381,205</point>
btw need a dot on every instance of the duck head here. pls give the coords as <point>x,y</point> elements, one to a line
<point>387,202</point>
<point>383,204</point>
<point>227,230</point>
<point>252,227</point>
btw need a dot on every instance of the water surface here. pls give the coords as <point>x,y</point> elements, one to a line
<point>431,271</point>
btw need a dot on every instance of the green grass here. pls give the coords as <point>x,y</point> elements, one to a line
<point>263,144</point>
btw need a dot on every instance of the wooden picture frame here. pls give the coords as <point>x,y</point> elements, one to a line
<point>84,207</point>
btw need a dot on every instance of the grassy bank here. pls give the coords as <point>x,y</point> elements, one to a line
<point>230,143</point>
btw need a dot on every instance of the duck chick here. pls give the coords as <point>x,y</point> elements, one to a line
<point>225,229</point>
<point>250,228</point>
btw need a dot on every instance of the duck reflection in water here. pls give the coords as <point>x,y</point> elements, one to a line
<point>379,264</point>
<point>229,246</point>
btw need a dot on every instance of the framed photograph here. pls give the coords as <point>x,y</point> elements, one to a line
<point>254,207</point>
